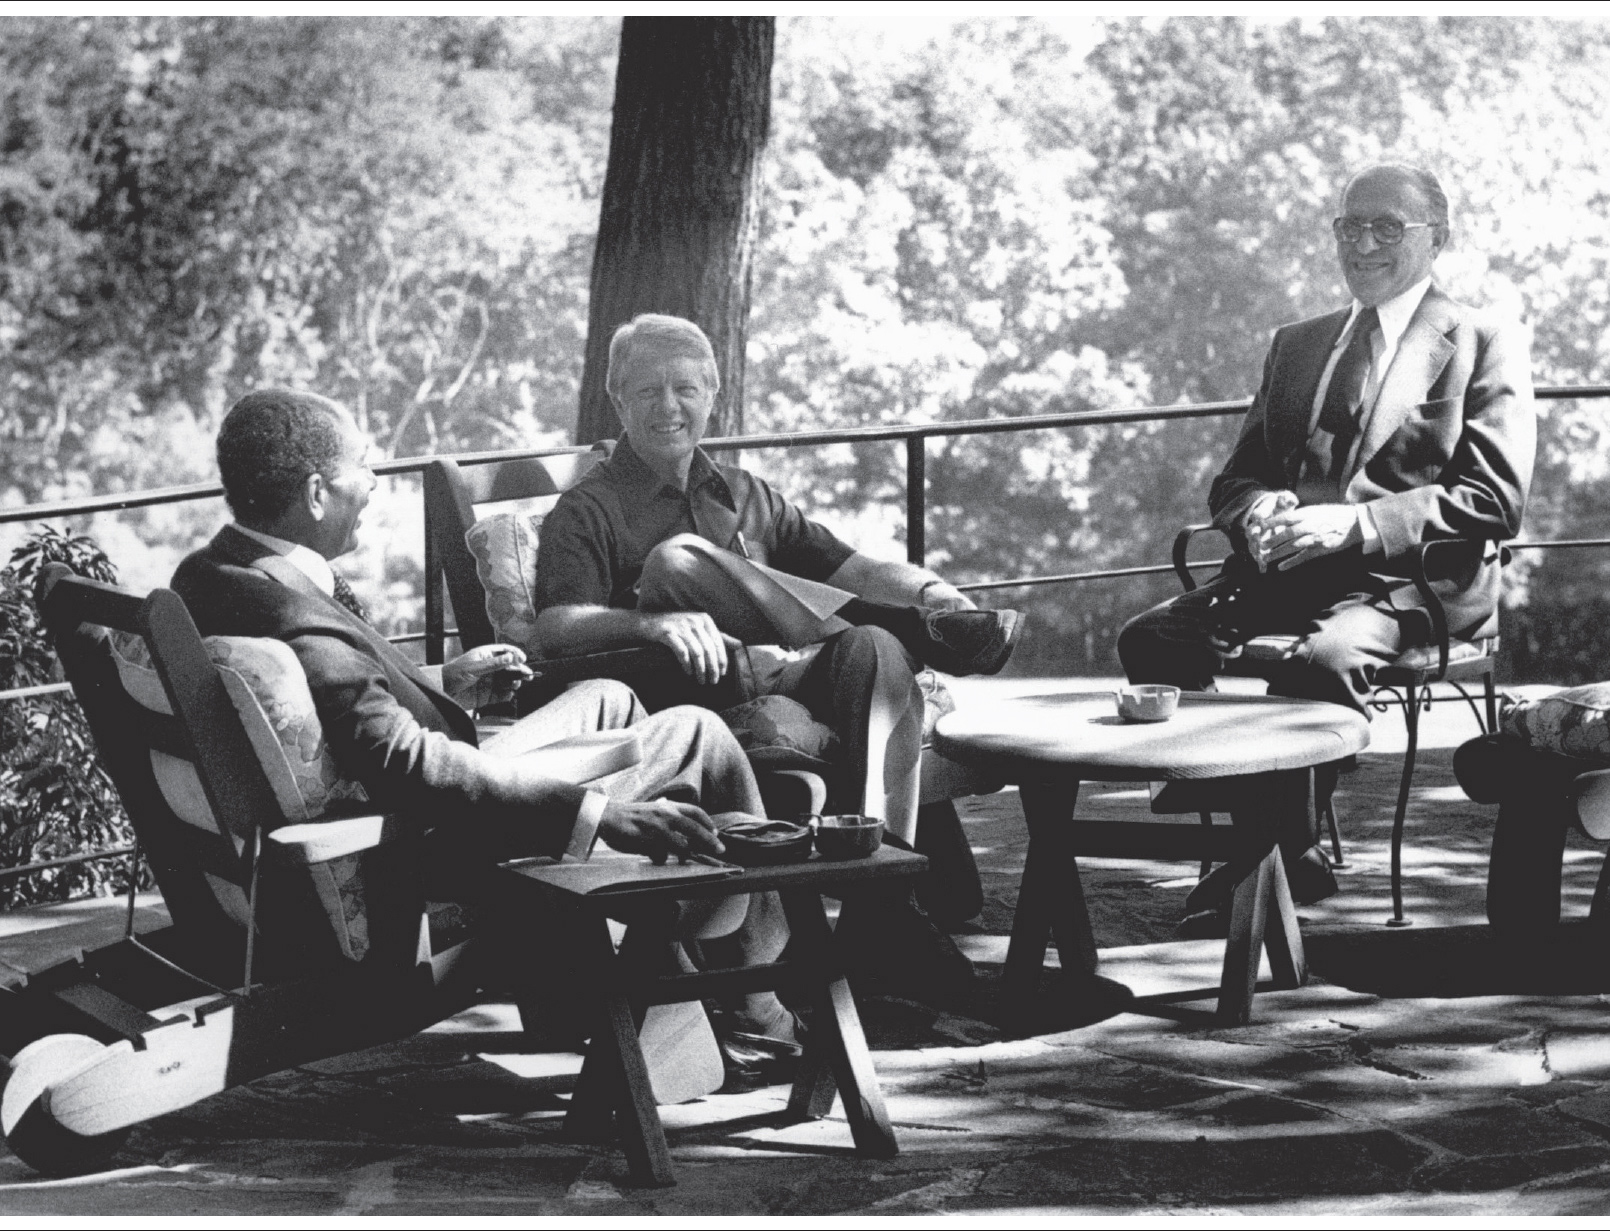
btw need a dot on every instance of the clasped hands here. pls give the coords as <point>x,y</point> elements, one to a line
<point>1281,534</point>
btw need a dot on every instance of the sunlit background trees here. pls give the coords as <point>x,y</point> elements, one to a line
<point>990,218</point>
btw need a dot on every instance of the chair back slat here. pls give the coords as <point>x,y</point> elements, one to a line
<point>452,493</point>
<point>205,877</point>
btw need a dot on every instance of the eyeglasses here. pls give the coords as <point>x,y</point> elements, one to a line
<point>1387,231</point>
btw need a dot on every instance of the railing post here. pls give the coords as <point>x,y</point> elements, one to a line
<point>917,499</point>
<point>435,583</point>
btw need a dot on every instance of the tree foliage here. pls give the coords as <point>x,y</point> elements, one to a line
<point>55,798</point>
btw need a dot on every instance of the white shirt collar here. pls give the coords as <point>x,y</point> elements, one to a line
<point>306,559</point>
<point>1395,313</point>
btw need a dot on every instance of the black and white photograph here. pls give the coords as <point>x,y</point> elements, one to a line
<point>881,612</point>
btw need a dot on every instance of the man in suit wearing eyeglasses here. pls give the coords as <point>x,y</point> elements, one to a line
<point>1399,419</point>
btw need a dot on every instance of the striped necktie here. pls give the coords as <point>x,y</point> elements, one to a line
<point>1344,396</point>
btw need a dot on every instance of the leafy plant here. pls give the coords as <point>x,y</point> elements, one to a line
<point>55,798</point>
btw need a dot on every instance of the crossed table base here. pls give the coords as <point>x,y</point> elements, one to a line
<point>1246,755</point>
<point>614,1093</point>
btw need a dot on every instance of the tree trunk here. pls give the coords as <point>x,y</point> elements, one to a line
<point>677,224</point>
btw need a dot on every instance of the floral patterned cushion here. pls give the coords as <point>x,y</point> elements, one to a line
<point>1573,723</point>
<point>505,549</point>
<point>265,683</point>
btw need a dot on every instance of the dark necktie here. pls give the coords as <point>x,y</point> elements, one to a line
<point>1344,397</point>
<point>344,595</point>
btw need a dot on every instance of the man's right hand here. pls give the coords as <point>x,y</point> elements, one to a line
<point>659,828</point>
<point>695,640</point>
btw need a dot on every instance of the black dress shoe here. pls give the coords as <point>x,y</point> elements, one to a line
<point>756,1060</point>
<point>970,642</point>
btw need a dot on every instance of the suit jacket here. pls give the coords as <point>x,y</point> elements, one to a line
<point>388,726</point>
<point>1446,451</point>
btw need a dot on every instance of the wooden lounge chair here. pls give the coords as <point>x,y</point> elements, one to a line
<point>1407,682</point>
<point>303,923</point>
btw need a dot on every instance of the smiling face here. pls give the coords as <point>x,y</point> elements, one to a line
<point>664,401</point>
<point>1375,273</point>
<point>341,496</point>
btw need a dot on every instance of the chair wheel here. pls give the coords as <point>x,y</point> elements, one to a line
<point>25,1117</point>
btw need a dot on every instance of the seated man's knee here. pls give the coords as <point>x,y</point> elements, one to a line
<point>678,559</point>
<point>617,705</point>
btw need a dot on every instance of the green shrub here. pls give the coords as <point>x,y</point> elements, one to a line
<point>56,800</point>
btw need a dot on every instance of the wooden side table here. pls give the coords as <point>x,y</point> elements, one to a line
<point>1251,755</point>
<point>614,1093</point>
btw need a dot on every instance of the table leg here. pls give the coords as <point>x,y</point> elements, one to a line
<point>1282,937</point>
<point>1050,900</point>
<point>1248,919</point>
<point>1261,910</point>
<point>836,1050</point>
<point>614,1077</point>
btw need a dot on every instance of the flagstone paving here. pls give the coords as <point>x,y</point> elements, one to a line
<point>1422,1071</point>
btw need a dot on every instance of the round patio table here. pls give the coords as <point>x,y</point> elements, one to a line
<point>1246,755</point>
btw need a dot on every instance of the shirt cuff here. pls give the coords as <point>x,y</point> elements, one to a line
<point>433,674</point>
<point>584,833</point>
<point>1369,533</point>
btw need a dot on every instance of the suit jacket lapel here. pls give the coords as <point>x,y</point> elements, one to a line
<point>1423,352</point>
<point>1299,382</point>
<point>249,553</point>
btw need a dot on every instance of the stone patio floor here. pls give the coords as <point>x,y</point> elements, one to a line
<point>1421,1071</point>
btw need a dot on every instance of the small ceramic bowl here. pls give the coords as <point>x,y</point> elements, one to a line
<point>760,843</point>
<point>848,836</point>
<point>1147,702</point>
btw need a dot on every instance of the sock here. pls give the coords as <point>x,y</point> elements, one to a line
<point>904,622</point>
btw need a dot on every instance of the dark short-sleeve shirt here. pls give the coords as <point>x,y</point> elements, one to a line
<point>593,545</point>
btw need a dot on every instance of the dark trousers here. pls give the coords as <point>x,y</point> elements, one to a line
<point>1535,809</point>
<point>1347,626</point>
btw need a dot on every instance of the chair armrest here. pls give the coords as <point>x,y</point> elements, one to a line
<point>321,841</point>
<point>578,758</point>
<point>1439,617</point>
<point>625,665</point>
<point>1182,543</point>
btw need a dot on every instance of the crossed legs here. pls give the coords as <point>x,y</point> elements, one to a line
<point>1347,634</point>
<point>861,682</point>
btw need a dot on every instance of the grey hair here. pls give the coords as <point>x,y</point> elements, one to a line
<point>1429,185</point>
<point>668,333</point>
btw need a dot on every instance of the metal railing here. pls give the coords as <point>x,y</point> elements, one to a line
<point>914,435</point>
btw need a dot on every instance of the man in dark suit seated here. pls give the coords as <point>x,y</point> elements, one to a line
<point>296,477</point>
<point>1403,418</point>
<point>662,545</point>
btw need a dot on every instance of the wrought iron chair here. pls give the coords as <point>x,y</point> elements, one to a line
<point>1406,682</point>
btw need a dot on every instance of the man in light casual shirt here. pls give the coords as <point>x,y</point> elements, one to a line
<point>1403,418</point>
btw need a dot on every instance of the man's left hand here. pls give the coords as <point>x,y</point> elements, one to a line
<point>1297,536</point>
<point>486,675</point>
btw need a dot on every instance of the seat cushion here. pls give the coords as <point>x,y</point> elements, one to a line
<point>505,549</point>
<point>1572,722</point>
<point>264,682</point>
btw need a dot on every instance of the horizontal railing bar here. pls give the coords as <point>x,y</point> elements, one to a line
<point>34,690</point>
<point>1550,544</point>
<point>777,440</point>
<point>115,853</point>
<point>1145,570</point>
